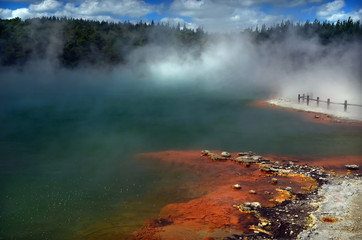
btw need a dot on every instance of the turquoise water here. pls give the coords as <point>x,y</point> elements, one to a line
<point>67,164</point>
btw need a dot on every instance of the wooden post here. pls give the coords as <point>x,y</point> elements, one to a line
<point>303,97</point>
<point>345,105</point>
<point>298,98</point>
<point>328,102</point>
<point>317,101</point>
<point>307,99</point>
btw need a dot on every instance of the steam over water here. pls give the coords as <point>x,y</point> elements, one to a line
<point>67,147</point>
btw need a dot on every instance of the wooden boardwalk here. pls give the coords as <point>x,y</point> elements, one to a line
<point>307,98</point>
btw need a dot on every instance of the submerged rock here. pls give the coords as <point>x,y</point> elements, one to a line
<point>255,205</point>
<point>243,153</point>
<point>249,206</point>
<point>248,159</point>
<point>214,156</point>
<point>225,154</point>
<point>245,159</point>
<point>256,157</point>
<point>237,186</point>
<point>249,153</point>
<point>205,152</point>
<point>269,169</point>
<point>352,167</point>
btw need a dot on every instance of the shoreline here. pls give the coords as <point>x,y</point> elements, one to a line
<point>248,196</point>
<point>287,206</point>
<point>310,116</point>
<point>339,213</point>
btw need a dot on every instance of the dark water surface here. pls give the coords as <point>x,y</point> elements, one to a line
<point>67,165</point>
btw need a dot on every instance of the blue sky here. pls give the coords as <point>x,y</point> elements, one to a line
<point>212,15</point>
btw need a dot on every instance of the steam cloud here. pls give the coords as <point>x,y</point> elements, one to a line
<point>231,63</point>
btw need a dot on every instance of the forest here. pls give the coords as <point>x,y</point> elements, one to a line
<point>75,42</point>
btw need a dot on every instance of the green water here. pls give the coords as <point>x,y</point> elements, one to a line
<point>67,165</point>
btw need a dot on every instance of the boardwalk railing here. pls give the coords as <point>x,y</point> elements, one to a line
<point>308,99</point>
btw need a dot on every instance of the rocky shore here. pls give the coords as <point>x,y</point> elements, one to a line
<point>330,211</point>
<point>249,196</point>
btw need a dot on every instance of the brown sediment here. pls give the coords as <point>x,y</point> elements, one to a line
<point>327,119</point>
<point>329,219</point>
<point>214,214</point>
<point>309,115</point>
<point>261,104</point>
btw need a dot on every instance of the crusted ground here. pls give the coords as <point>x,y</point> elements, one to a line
<point>247,196</point>
<point>339,214</point>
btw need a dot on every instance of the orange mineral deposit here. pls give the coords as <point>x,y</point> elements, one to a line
<point>212,214</point>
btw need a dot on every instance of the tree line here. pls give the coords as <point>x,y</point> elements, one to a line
<point>326,32</point>
<point>76,41</point>
<point>72,42</point>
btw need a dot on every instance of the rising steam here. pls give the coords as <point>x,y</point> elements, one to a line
<point>231,63</point>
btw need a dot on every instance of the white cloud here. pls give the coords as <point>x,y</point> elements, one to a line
<point>45,6</point>
<point>235,18</point>
<point>250,3</point>
<point>223,16</point>
<point>21,12</point>
<point>355,15</point>
<point>194,8</point>
<point>88,9</point>
<point>332,11</point>
<point>244,18</point>
<point>131,8</point>
<point>21,1</point>
<point>330,8</point>
<point>176,21</point>
<point>5,13</point>
<point>297,3</point>
<point>188,4</point>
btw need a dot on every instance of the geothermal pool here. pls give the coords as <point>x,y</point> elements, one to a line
<point>68,155</point>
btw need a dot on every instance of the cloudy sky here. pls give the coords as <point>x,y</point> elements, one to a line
<point>212,15</point>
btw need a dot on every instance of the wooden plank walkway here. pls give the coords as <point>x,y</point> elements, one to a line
<point>308,99</point>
